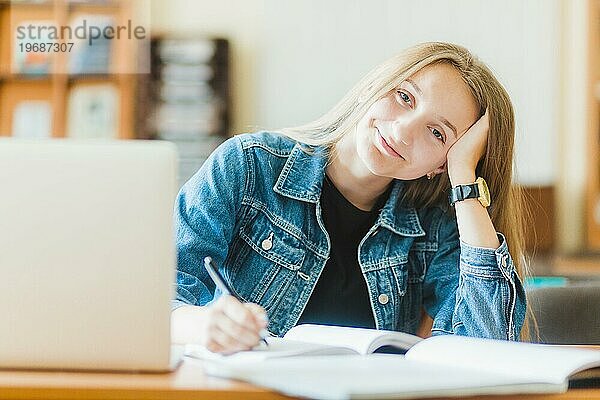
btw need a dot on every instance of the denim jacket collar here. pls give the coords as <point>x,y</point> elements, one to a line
<point>302,179</point>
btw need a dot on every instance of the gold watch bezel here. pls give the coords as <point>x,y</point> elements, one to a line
<point>484,192</point>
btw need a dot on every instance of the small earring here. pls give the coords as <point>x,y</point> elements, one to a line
<point>430,175</point>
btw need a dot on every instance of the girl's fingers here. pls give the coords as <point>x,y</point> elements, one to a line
<point>259,313</point>
<point>222,342</point>
<point>239,313</point>
<point>232,326</point>
<point>238,334</point>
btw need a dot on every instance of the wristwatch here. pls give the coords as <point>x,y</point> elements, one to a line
<point>478,190</point>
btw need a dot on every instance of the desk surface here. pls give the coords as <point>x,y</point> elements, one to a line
<point>187,382</point>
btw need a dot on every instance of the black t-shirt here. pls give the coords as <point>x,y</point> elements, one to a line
<point>340,296</point>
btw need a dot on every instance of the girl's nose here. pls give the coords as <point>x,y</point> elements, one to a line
<point>404,131</point>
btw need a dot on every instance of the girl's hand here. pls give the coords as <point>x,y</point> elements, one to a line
<point>231,326</point>
<point>225,326</point>
<point>464,155</point>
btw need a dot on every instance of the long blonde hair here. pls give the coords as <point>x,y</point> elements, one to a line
<point>508,212</point>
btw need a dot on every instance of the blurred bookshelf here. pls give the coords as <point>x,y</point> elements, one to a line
<point>186,97</point>
<point>85,92</point>
<point>593,123</point>
<point>107,90</point>
<point>586,262</point>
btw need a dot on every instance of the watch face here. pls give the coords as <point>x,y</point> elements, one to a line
<point>484,192</point>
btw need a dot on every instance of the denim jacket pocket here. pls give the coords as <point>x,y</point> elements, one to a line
<point>270,261</point>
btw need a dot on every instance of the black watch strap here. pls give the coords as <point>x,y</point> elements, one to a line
<point>462,192</point>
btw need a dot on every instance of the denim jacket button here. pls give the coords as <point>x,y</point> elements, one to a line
<point>267,244</point>
<point>383,298</point>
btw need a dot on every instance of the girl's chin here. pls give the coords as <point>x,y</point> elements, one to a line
<point>381,168</point>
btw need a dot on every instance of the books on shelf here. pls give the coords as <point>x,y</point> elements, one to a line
<point>174,92</point>
<point>189,100</point>
<point>93,111</point>
<point>90,56</point>
<point>338,363</point>
<point>189,97</point>
<point>32,70</point>
<point>27,56</point>
<point>182,73</point>
<point>32,119</point>
<point>187,122</point>
<point>187,51</point>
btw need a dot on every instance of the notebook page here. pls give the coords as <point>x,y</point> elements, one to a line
<point>538,362</point>
<point>376,375</point>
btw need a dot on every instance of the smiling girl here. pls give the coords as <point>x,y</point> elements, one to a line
<point>376,215</point>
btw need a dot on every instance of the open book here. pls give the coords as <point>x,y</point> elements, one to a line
<point>308,339</point>
<point>336,363</point>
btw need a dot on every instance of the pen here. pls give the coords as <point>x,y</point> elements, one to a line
<point>223,286</point>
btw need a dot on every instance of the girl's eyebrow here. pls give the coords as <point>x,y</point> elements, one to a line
<point>415,86</point>
<point>442,119</point>
<point>449,125</point>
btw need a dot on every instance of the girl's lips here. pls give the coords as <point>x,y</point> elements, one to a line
<point>386,146</point>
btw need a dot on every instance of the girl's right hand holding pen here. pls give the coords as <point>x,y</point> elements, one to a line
<point>233,326</point>
<point>225,326</point>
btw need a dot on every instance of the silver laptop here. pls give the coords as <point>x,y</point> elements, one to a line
<point>87,257</point>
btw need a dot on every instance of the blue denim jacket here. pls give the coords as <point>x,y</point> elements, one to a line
<point>254,208</point>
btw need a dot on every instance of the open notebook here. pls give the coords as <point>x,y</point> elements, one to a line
<point>334,362</point>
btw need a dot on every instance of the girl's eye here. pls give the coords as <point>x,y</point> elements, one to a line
<point>404,96</point>
<point>438,135</point>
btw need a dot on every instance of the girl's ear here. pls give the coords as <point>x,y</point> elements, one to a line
<point>440,170</point>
